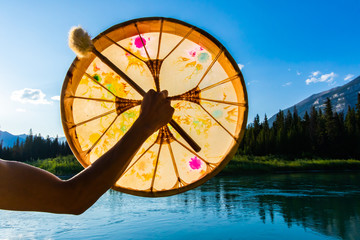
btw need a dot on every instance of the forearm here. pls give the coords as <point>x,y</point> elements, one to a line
<point>95,180</point>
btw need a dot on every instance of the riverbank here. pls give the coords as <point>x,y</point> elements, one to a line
<point>274,164</point>
<point>69,166</point>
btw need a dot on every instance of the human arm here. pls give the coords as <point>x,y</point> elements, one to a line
<point>26,188</point>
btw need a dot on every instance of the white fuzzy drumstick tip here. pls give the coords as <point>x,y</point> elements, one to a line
<point>80,42</point>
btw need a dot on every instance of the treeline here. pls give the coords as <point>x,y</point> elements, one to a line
<point>35,147</point>
<point>325,134</point>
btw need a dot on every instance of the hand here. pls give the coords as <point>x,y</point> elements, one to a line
<point>156,110</point>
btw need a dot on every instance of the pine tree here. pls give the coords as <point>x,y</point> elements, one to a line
<point>338,144</point>
<point>288,120</point>
<point>305,135</point>
<point>257,126</point>
<point>266,123</point>
<point>296,117</point>
<point>266,135</point>
<point>1,148</point>
<point>357,140</point>
<point>314,128</point>
<point>358,114</point>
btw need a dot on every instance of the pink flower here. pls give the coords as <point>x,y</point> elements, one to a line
<point>195,163</point>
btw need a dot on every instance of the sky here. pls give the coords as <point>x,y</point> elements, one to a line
<point>288,50</point>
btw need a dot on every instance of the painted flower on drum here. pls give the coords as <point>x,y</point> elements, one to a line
<point>195,59</point>
<point>195,163</point>
<point>139,42</point>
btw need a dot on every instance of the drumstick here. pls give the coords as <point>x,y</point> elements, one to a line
<point>80,42</point>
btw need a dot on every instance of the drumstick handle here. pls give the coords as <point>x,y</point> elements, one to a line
<point>185,136</point>
<point>133,84</point>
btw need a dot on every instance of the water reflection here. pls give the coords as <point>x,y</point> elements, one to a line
<point>283,206</point>
<point>326,203</point>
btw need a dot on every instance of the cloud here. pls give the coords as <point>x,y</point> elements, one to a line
<point>298,73</point>
<point>28,95</point>
<point>315,73</point>
<point>348,77</point>
<point>20,110</point>
<point>55,98</point>
<point>241,66</point>
<point>316,76</point>
<point>287,84</point>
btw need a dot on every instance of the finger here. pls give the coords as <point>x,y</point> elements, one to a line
<point>151,92</point>
<point>165,93</point>
<point>167,102</point>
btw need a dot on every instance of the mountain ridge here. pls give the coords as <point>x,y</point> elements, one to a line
<point>341,97</point>
<point>8,140</point>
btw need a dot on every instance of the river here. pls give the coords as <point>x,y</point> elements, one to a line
<point>277,206</point>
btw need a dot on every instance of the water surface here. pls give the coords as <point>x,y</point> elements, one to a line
<point>281,206</point>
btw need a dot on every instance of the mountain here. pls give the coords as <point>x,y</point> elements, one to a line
<point>340,97</point>
<point>62,139</point>
<point>8,140</point>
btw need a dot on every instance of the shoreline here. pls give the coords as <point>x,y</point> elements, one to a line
<point>280,165</point>
<point>240,165</point>
<point>254,172</point>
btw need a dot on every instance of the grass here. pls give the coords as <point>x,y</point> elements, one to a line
<point>60,166</point>
<point>68,165</point>
<point>272,164</point>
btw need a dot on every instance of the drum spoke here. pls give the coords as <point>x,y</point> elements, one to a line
<point>190,150</point>
<point>156,164</point>
<point>93,118</point>
<point>224,102</point>
<point>93,99</point>
<point>155,65</point>
<point>220,83</point>
<point>194,96</point>
<point>119,72</point>
<point>137,159</point>
<point>174,164</point>
<point>187,34</point>
<point>218,123</point>
<point>150,63</point>
<point>97,141</point>
<point>142,41</point>
<point>210,66</point>
<point>129,52</point>
<point>95,81</point>
<point>160,35</point>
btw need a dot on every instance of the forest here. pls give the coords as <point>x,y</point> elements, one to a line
<point>319,134</point>
<point>33,148</point>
